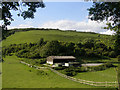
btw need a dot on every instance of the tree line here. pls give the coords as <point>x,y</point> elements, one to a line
<point>43,49</point>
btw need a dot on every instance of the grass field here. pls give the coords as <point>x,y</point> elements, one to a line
<point>17,75</point>
<point>0,76</point>
<point>109,75</point>
<point>35,35</point>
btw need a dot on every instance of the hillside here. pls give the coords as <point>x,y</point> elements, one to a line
<point>49,35</point>
<point>33,46</point>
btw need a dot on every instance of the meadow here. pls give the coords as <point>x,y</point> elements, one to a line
<point>49,35</point>
<point>0,75</point>
<point>109,75</point>
<point>17,75</point>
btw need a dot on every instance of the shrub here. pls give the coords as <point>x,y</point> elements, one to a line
<point>59,68</point>
<point>108,65</point>
<point>118,58</point>
<point>112,54</point>
<point>73,73</point>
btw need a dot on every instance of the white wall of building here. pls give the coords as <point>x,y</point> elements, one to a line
<point>67,64</point>
<point>49,62</point>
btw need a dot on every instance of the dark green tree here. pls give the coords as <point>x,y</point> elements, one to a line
<point>17,6</point>
<point>109,11</point>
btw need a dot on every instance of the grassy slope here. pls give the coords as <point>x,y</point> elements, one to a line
<point>17,75</point>
<point>109,75</point>
<point>0,76</point>
<point>35,35</point>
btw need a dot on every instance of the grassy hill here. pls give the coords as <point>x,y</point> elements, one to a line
<point>66,36</point>
<point>17,75</point>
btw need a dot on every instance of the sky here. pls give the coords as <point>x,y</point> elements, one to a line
<point>61,15</point>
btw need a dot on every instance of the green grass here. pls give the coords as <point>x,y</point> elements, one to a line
<point>95,60</point>
<point>17,75</point>
<point>0,76</point>
<point>66,36</point>
<point>109,75</point>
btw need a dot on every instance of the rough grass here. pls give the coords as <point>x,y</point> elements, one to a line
<point>17,75</point>
<point>66,36</point>
<point>108,75</point>
<point>0,76</point>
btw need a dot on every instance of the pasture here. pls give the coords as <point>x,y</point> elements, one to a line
<point>0,75</point>
<point>17,75</point>
<point>108,75</point>
<point>49,35</point>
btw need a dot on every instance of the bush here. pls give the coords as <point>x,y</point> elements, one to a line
<point>112,54</point>
<point>118,58</point>
<point>59,68</point>
<point>73,73</point>
<point>108,65</point>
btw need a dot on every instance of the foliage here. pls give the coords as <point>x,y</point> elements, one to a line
<point>43,49</point>
<point>100,67</point>
<point>5,34</point>
<point>7,7</point>
<point>72,71</point>
<point>106,11</point>
<point>59,68</point>
<point>109,11</point>
<point>117,43</point>
<point>112,54</point>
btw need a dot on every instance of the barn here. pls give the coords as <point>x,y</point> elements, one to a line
<point>61,60</point>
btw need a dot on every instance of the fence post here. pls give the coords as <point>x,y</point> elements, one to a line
<point>106,83</point>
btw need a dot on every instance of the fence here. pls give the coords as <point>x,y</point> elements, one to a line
<point>102,84</point>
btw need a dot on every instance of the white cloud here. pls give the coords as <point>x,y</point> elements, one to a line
<point>109,32</point>
<point>89,26</point>
<point>85,26</point>
<point>21,26</point>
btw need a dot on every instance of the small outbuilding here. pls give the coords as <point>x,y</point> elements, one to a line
<point>61,60</point>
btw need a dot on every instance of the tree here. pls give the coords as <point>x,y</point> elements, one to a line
<point>109,11</point>
<point>17,6</point>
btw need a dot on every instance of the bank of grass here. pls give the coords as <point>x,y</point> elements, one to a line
<point>17,75</point>
<point>0,76</point>
<point>66,36</point>
<point>108,75</point>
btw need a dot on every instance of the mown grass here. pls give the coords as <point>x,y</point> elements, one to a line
<point>66,36</point>
<point>17,75</point>
<point>109,75</point>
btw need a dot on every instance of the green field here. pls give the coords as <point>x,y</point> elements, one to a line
<point>0,75</point>
<point>17,75</point>
<point>108,75</point>
<point>66,36</point>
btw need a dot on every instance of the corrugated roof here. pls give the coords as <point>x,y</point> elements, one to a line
<point>62,57</point>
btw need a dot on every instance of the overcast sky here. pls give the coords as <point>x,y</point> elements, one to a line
<point>62,15</point>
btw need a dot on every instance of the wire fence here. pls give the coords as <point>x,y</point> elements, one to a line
<point>101,84</point>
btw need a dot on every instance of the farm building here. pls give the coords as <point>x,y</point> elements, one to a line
<point>62,60</point>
